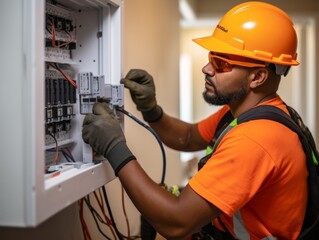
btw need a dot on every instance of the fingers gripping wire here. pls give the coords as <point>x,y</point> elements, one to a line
<point>155,135</point>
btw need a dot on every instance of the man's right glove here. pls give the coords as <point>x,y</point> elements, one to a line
<point>103,132</point>
<point>142,90</point>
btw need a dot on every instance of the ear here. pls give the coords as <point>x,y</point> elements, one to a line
<point>258,77</point>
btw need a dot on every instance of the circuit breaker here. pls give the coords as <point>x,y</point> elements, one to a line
<point>71,58</point>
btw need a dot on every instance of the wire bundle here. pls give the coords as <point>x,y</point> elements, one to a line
<point>105,220</point>
<point>147,231</point>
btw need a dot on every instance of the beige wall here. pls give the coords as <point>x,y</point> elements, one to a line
<point>152,43</point>
<point>206,8</point>
<point>199,59</point>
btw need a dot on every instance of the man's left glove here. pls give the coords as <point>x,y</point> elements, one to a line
<point>103,132</point>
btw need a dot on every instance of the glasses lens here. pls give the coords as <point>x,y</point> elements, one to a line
<point>219,64</point>
<point>222,65</point>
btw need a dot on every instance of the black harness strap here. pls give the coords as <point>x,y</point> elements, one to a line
<point>310,228</point>
<point>223,123</point>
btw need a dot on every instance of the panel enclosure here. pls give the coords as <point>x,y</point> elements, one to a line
<point>45,164</point>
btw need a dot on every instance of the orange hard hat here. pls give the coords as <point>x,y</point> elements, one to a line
<point>255,30</point>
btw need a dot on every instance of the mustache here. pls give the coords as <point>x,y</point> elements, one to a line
<point>209,79</point>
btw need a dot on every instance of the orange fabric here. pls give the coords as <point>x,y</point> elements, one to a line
<point>259,169</point>
<point>207,127</point>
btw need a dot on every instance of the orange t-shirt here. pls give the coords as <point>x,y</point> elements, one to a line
<point>258,170</point>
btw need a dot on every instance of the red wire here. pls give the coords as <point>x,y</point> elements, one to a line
<point>68,150</point>
<point>66,43</point>
<point>63,44</point>
<point>56,152</point>
<point>101,205</point>
<point>53,37</point>
<point>64,75</point>
<point>53,34</point>
<point>85,229</point>
<point>126,218</point>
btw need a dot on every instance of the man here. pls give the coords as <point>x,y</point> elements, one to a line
<point>254,184</point>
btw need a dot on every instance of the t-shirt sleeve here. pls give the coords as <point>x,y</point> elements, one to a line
<point>208,126</point>
<point>238,169</point>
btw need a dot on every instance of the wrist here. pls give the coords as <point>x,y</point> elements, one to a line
<point>119,156</point>
<point>153,115</point>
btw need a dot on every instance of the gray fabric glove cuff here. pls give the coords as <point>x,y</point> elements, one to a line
<point>119,156</point>
<point>153,115</point>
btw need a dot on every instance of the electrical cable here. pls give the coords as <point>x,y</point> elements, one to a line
<point>66,43</point>
<point>108,222</point>
<point>53,37</point>
<point>101,205</point>
<point>155,135</point>
<point>65,152</point>
<point>56,147</point>
<point>49,31</point>
<point>95,215</point>
<point>71,81</point>
<point>85,229</point>
<point>67,155</point>
<point>147,230</point>
<point>93,211</point>
<point>119,235</point>
<point>124,211</point>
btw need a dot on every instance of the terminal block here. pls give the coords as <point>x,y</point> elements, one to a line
<point>92,89</point>
<point>60,33</point>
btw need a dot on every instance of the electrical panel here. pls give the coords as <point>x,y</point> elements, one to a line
<point>72,54</point>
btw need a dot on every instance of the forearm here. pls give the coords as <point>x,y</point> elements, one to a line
<point>173,217</point>
<point>170,215</point>
<point>151,200</point>
<point>177,134</point>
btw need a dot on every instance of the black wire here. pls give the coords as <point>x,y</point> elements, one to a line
<point>88,202</point>
<point>119,235</point>
<point>67,155</point>
<point>95,215</point>
<point>54,138</point>
<point>56,143</point>
<point>48,30</point>
<point>155,135</point>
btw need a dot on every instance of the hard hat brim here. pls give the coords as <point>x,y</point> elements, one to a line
<point>215,45</point>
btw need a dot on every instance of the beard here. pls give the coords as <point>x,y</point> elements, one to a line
<point>224,99</point>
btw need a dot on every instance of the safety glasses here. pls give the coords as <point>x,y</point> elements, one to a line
<point>226,65</point>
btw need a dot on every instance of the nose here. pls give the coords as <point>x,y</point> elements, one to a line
<point>209,69</point>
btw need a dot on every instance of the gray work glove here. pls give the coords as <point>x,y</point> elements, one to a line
<point>103,132</point>
<point>142,90</point>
